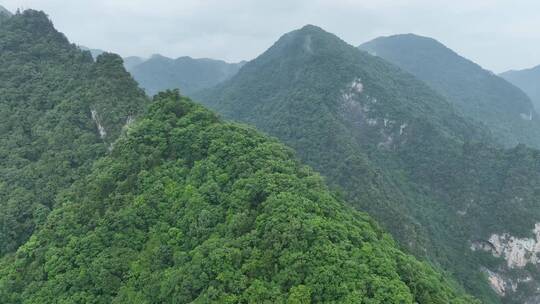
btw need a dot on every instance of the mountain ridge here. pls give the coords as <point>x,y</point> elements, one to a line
<point>60,110</point>
<point>172,205</point>
<point>394,148</point>
<point>527,80</point>
<point>476,92</point>
<point>185,73</point>
<point>4,13</point>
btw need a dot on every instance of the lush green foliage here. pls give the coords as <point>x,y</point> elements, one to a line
<point>188,209</point>
<point>48,138</point>
<point>395,148</point>
<point>185,73</point>
<point>528,80</point>
<point>477,93</point>
<point>183,208</point>
<point>4,13</point>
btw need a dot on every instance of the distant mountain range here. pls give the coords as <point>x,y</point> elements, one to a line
<point>528,80</point>
<point>159,73</point>
<point>398,149</point>
<point>475,92</point>
<point>188,74</point>
<point>131,61</point>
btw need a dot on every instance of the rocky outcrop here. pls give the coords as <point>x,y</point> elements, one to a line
<point>357,107</point>
<point>517,252</point>
<point>101,129</point>
<point>503,285</point>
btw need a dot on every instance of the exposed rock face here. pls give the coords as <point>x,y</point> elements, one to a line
<point>533,300</point>
<point>517,252</point>
<point>497,282</point>
<point>402,128</point>
<point>101,129</point>
<point>526,116</point>
<point>503,285</point>
<point>130,119</point>
<point>480,244</point>
<point>307,45</point>
<point>352,108</point>
<point>357,107</point>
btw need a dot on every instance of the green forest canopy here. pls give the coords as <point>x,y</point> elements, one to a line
<point>190,209</point>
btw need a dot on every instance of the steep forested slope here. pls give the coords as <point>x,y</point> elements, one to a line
<point>477,93</point>
<point>301,90</point>
<point>185,73</point>
<point>438,181</point>
<point>59,111</point>
<point>176,207</point>
<point>527,80</point>
<point>188,209</point>
<point>4,13</point>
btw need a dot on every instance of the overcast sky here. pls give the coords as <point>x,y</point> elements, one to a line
<point>497,34</point>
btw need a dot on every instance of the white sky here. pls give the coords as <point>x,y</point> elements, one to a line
<point>497,34</point>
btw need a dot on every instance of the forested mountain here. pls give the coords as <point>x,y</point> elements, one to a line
<point>527,80</point>
<point>4,13</point>
<point>398,150</point>
<point>173,206</point>
<point>188,209</point>
<point>59,111</point>
<point>131,61</point>
<point>477,93</point>
<point>185,73</point>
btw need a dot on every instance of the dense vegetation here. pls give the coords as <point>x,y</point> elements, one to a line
<point>94,52</point>
<point>394,147</point>
<point>527,80</point>
<point>188,209</point>
<point>48,137</point>
<point>174,207</point>
<point>180,207</point>
<point>4,13</point>
<point>477,93</point>
<point>185,73</point>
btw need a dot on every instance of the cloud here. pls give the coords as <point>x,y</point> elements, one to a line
<point>497,34</point>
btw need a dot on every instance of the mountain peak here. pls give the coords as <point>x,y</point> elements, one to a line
<point>407,41</point>
<point>311,28</point>
<point>302,44</point>
<point>160,57</point>
<point>37,24</point>
<point>474,91</point>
